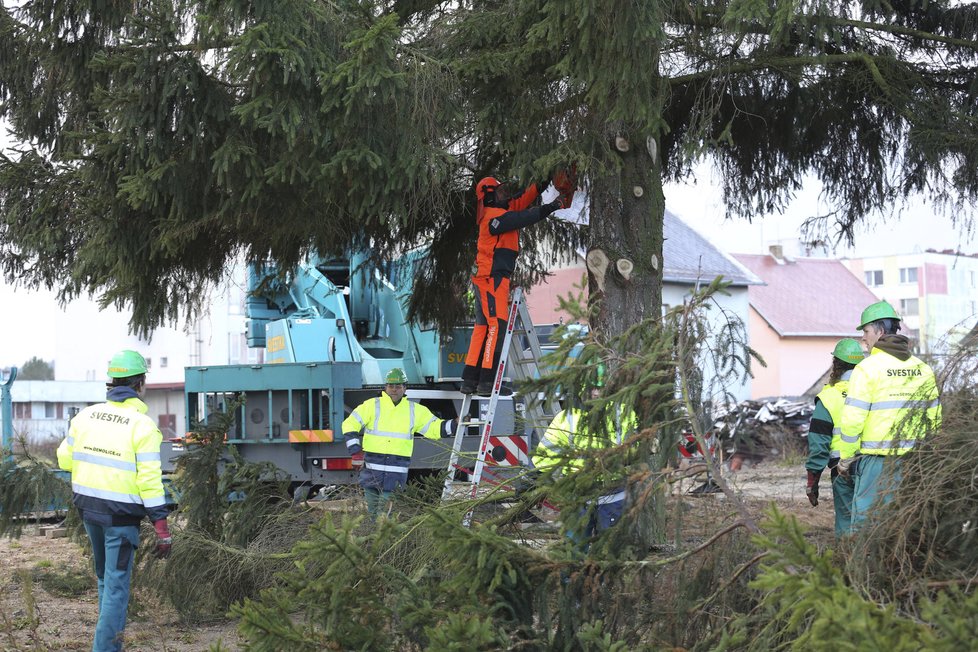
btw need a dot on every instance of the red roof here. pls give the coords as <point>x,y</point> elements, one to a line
<point>807,297</point>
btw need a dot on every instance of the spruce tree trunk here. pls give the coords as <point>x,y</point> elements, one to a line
<point>627,212</point>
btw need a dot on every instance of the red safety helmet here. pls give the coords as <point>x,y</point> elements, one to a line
<point>485,186</point>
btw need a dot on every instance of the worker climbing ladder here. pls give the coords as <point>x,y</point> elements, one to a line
<point>523,366</point>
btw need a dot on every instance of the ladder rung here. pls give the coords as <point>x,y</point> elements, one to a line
<point>522,361</point>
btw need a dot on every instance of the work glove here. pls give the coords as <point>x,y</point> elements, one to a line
<point>547,209</point>
<point>565,181</point>
<point>811,489</point>
<point>848,467</point>
<point>448,428</point>
<point>164,542</point>
<point>357,459</point>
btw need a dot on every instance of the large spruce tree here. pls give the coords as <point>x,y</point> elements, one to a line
<point>158,138</point>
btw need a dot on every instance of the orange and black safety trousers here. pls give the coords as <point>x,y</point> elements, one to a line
<point>491,319</point>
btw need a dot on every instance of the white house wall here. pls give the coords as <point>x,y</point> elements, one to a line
<point>735,305</point>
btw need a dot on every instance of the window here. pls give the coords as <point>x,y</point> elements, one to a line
<point>49,410</point>
<point>162,362</point>
<point>909,307</point>
<point>22,410</point>
<point>971,275</point>
<point>237,348</point>
<point>908,274</point>
<point>874,278</point>
<point>974,307</point>
<point>149,363</point>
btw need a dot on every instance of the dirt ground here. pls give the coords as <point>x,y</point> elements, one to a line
<point>60,585</point>
<point>48,599</point>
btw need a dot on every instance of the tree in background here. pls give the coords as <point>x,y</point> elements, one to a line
<point>161,138</point>
<point>36,369</point>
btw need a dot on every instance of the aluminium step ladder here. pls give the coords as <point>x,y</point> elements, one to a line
<point>524,366</point>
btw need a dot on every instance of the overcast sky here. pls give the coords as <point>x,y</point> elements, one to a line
<point>911,228</point>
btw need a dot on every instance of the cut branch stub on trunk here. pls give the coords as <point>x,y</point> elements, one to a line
<point>597,262</point>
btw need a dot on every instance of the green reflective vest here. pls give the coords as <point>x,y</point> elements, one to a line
<point>890,405</point>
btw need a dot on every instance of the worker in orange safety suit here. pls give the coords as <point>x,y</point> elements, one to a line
<point>499,218</point>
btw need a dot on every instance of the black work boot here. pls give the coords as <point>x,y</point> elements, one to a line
<point>484,388</point>
<point>470,379</point>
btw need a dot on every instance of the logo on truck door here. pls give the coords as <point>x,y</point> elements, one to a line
<point>276,343</point>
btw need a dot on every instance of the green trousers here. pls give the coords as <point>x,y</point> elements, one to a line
<point>843,489</point>
<point>875,480</point>
<point>378,502</point>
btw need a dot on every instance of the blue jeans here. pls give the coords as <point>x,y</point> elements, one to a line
<point>601,518</point>
<point>113,549</point>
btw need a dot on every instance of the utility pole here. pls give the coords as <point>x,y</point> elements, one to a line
<point>6,415</point>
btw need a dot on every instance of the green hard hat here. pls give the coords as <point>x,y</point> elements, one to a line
<point>396,376</point>
<point>849,350</point>
<point>874,311</point>
<point>126,363</point>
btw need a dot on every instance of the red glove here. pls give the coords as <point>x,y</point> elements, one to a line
<point>811,488</point>
<point>163,539</point>
<point>565,181</point>
<point>357,460</point>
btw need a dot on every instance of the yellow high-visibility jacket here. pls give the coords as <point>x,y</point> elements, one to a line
<point>833,397</point>
<point>113,453</point>
<point>388,432</point>
<point>824,431</point>
<point>566,440</point>
<point>891,404</point>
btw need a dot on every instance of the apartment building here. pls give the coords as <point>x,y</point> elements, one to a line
<point>40,409</point>
<point>799,314</point>
<point>935,292</point>
<point>86,335</point>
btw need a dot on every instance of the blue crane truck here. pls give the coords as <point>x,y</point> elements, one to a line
<point>331,330</point>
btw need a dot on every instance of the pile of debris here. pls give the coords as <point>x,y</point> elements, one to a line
<point>758,430</point>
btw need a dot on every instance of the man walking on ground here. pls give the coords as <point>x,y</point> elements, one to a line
<point>891,405</point>
<point>388,425</point>
<point>113,453</point>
